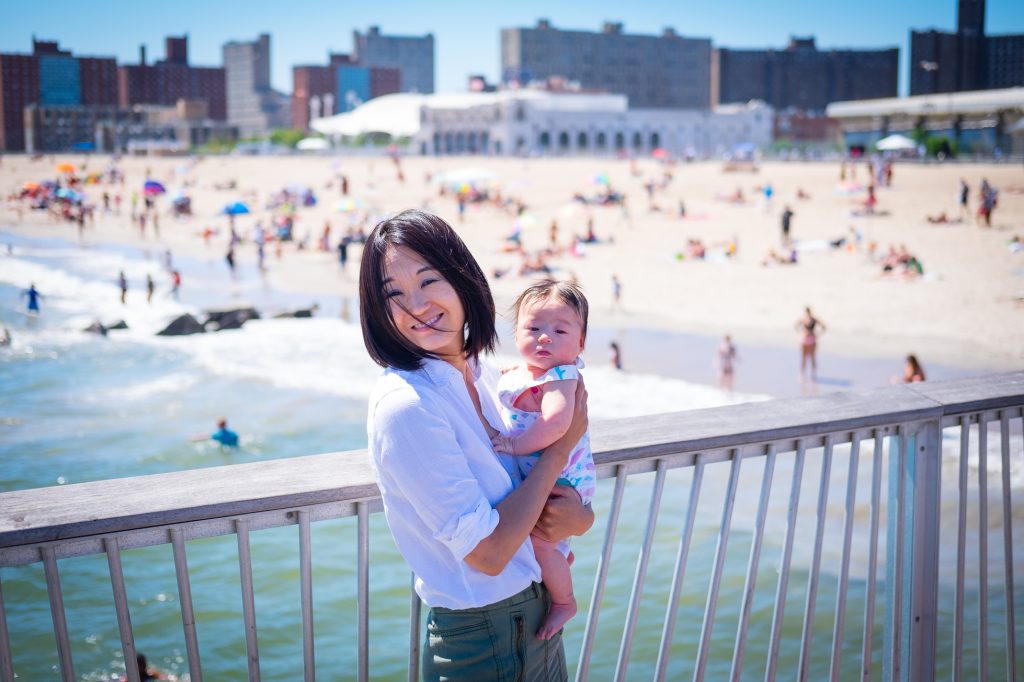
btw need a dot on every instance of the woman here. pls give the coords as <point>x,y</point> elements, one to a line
<point>809,327</point>
<point>458,512</point>
<point>912,370</point>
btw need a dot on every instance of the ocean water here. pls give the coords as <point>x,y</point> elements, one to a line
<point>78,407</point>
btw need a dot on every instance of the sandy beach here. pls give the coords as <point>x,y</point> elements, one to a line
<point>967,310</point>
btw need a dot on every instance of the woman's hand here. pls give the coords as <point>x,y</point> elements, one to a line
<point>564,515</point>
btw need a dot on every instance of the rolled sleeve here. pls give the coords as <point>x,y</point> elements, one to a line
<point>417,452</point>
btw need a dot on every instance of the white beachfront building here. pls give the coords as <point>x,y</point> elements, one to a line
<point>516,122</point>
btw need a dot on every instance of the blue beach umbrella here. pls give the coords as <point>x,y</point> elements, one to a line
<point>153,187</point>
<point>237,208</point>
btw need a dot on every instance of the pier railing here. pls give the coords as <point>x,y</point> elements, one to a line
<point>896,433</point>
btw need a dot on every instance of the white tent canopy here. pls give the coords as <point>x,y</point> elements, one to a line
<point>313,144</point>
<point>397,115</point>
<point>895,142</point>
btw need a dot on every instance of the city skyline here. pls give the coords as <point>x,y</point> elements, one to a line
<point>466,42</point>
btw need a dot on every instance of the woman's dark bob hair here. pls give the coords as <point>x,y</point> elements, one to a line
<point>438,244</point>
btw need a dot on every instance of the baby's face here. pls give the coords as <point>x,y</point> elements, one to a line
<point>549,333</point>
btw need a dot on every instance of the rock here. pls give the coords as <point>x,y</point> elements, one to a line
<point>305,312</point>
<point>120,324</point>
<point>216,320</point>
<point>182,326</point>
<point>96,328</point>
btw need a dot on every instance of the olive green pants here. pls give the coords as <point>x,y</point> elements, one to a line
<point>496,642</point>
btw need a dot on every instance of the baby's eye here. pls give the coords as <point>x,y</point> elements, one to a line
<point>559,331</point>
<point>427,281</point>
<point>392,294</point>
<point>532,329</point>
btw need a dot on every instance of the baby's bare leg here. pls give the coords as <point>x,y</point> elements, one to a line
<point>558,579</point>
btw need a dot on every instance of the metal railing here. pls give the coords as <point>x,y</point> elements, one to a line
<point>49,524</point>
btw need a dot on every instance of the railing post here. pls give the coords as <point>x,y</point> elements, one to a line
<point>924,501</point>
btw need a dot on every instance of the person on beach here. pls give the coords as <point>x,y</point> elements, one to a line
<point>809,327</point>
<point>223,435</point>
<point>616,355</point>
<point>787,219</point>
<point>122,283</point>
<point>964,196</point>
<point>461,515</point>
<point>175,283</point>
<point>150,288</point>
<point>33,297</point>
<point>537,402</point>
<point>912,370</point>
<point>616,293</point>
<point>229,258</point>
<point>725,359</point>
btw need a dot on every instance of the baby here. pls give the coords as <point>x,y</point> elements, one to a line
<point>538,398</point>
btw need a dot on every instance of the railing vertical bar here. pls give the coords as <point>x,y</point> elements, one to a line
<point>633,610</point>
<point>895,535</point>
<point>961,550</point>
<point>869,598</point>
<point>982,547</point>
<point>716,576</point>
<point>752,564</point>
<point>672,612</point>
<point>306,588</point>
<point>812,583</point>
<point>1011,637</point>
<point>363,550</point>
<point>248,600</point>
<point>844,561</point>
<point>60,623</point>
<point>415,610</point>
<point>583,669</point>
<point>6,660</point>
<point>787,553</point>
<point>188,618</point>
<point>124,618</point>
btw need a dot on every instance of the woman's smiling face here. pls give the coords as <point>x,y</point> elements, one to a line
<point>426,309</point>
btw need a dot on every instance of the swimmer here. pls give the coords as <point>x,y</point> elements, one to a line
<point>809,327</point>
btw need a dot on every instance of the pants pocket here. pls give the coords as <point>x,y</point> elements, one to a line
<point>459,647</point>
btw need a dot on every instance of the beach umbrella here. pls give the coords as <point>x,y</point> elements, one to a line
<point>602,179</point>
<point>464,179</point>
<point>151,187</point>
<point>659,153</point>
<point>65,168</point>
<point>236,208</point>
<point>895,142</point>
<point>348,206</point>
<point>30,186</point>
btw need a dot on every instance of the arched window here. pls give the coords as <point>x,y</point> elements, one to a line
<point>563,140</point>
<point>460,142</point>
<point>520,144</point>
<point>602,141</point>
<point>448,146</point>
<point>497,147</point>
<point>471,143</point>
<point>485,140</point>
<point>437,143</point>
<point>545,140</point>
<point>620,140</point>
<point>638,141</point>
<point>581,141</point>
<point>655,141</point>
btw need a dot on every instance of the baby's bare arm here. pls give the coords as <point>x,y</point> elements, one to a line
<point>556,408</point>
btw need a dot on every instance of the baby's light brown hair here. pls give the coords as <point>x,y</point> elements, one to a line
<point>568,293</point>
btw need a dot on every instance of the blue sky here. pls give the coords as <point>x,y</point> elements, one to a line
<point>467,33</point>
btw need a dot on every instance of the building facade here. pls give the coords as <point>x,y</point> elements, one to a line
<point>803,77</point>
<point>965,60</point>
<point>529,121</point>
<point>413,56</point>
<point>342,85</point>
<point>172,79</point>
<point>50,76</point>
<point>252,105</point>
<point>654,72</point>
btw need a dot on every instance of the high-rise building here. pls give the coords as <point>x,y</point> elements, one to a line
<point>252,104</point>
<point>801,76</point>
<point>967,59</point>
<point>50,76</point>
<point>413,56</point>
<point>654,72</point>
<point>342,85</point>
<point>171,79</point>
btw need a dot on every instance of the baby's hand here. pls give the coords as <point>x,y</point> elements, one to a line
<point>503,444</point>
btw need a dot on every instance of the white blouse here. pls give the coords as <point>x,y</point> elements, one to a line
<point>441,481</point>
